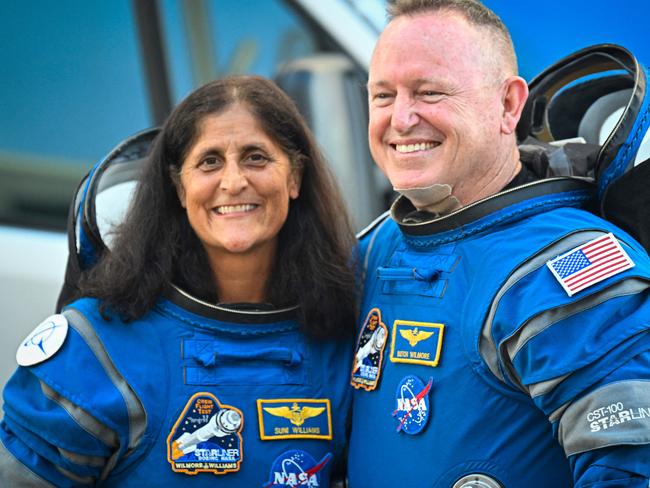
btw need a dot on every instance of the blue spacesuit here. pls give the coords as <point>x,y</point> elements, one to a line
<point>190,395</point>
<point>515,351</point>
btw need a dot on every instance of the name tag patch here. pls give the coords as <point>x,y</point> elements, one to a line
<point>206,437</point>
<point>369,355</point>
<point>416,342</point>
<point>298,468</point>
<point>294,418</point>
<point>412,409</point>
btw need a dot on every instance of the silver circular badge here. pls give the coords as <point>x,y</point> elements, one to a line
<point>477,481</point>
<point>43,342</point>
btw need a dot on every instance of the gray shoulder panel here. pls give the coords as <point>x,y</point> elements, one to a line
<point>81,480</point>
<point>369,228</point>
<point>135,408</point>
<point>542,321</point>
<point>15,473</point>
<point>615,414</point>
<point>86,421</point>
<point>374,227</point>
<point>487,347</point>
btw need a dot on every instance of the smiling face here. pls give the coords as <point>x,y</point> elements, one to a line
<point>436,104</point>
<point>235,184</point>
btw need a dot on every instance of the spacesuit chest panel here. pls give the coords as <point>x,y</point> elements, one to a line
<point>431,302</point>
<point>410,272</point>
<point>210,360</point>
<point>242,402</point>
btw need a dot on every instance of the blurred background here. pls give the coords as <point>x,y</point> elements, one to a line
<point>79,76</point>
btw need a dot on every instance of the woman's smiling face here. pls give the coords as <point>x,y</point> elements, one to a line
<point>236,183</point>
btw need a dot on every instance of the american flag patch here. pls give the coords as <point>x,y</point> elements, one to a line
<point>590,263</point>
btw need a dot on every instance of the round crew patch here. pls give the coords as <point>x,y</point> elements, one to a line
<point>412,404</point>
<point>297,468</point>
<point>43,342</point>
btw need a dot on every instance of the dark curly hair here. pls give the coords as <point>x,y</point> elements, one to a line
<point>155,246</point>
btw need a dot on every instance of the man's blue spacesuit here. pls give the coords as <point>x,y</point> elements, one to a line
<point>189,395</point>
<point>506,344</point>
<point>491,374</point>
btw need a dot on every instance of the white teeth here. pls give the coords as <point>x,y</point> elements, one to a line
<point>420,146</point>
<point>226,209</point>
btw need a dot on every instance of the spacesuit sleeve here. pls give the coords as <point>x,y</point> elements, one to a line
<point>66,423</point>
<point>585,362</point>
<point>606,430</point>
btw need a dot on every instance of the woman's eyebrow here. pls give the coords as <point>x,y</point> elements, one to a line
<point>254,146</point>
<point>209,150</point>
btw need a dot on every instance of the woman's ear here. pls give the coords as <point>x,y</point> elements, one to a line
<point>295,178</point>
<point>515,93</point>
<point>176,180</point>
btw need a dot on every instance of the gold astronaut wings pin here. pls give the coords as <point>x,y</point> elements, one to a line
<point>413,336</point>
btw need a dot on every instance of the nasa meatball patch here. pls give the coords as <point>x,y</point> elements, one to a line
<point>44,341</point>
<point>206,437</point>
<point>412,405</point>
<point>369,352</point>
<point>298,468</point>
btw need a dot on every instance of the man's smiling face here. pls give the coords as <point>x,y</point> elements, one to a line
<point>435,103</point>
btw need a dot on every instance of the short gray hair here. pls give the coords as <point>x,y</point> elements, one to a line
<point>473,11</point>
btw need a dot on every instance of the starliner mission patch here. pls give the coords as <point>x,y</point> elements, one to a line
<point>206,437</point>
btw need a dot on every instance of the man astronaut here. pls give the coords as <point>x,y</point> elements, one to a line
<point>517,321</point>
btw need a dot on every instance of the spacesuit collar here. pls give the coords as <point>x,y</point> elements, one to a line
<point>546,191</point>
<point>237,313</point>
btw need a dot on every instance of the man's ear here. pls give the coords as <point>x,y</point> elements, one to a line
<point>513,98</point>
<point>180,191</point>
